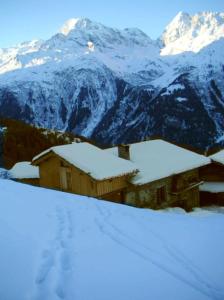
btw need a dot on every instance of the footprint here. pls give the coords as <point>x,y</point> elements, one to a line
<point>60,292</point>
<point>65,261</point>
<point>47,263</point>
<point>69,225</point>
<point>56,263</point>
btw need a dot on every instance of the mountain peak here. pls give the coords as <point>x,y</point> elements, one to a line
<point>181,16</point>
<point>68,26</point>
<point>180,24</point>
<point>75,23</point>
<point>83,32</point>
<point>192,33</point>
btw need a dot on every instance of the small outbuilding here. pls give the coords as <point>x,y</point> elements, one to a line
<point>25,172</point>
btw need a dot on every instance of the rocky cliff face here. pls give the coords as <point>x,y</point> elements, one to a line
<point>119,85</point>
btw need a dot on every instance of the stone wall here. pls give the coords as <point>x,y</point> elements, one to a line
<point>177,192</point>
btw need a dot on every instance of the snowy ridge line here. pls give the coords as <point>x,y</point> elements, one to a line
<point>109,84</point>
<point>115,48</point>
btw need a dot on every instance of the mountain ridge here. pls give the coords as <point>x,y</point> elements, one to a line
<point>120,85</point>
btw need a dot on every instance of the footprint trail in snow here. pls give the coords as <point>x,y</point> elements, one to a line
<point>57,260</point>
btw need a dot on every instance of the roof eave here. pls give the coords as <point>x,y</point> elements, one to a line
<point>36,161</point>
<point>132,173</point>
<point>173,174</point>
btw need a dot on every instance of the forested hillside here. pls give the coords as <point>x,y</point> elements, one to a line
<point>20,141</point>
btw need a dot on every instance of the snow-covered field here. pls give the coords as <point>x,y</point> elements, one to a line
<point>60,246</point>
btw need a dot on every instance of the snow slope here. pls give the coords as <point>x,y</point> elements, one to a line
<point>61,246</point>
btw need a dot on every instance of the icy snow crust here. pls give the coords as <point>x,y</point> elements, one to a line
<point>24,169</point>
<point>92,160</point>
<point>158,159</point>
<point>62,246</point>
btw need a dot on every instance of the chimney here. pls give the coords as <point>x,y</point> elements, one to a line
<point>124,151</point>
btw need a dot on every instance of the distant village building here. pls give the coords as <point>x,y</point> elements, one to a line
<point>152,174</point>
<point>212,190</point>
<point>25,172</point>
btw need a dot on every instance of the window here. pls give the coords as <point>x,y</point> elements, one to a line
<point>161,195</point>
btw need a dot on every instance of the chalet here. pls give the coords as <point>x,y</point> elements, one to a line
<point>152,174</point>
<point>24,172</point>
<point>212,190</point>
<point>85,169</point>
<point>168,175</point>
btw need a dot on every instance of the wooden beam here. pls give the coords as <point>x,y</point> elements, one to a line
<point>187,188</point>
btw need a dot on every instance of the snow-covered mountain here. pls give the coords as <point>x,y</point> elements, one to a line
<point>192,33</point>
<point>120,85</point>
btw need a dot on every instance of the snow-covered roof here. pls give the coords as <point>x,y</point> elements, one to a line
<point>212,187</point>
<point>24,170</point>
<point>92,160</point>
<point>157,159</point>
<point>218,157</point>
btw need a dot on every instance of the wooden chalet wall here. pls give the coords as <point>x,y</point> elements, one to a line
<point>49,172</point>
<point>180,190</point>
<point>110,185</point>
<point>212,172</point>
<point>81,183</point>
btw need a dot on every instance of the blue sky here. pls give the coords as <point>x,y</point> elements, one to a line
<point>23,20</point>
